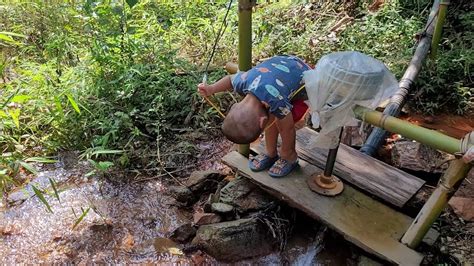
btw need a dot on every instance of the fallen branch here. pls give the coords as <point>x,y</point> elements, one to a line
<point>342,22</point>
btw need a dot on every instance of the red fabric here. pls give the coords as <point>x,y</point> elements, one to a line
<point>299,109</point>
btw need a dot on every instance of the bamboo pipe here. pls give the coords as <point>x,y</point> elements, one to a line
<point>448,184</point>
<point>397,101</point>
<point>245,47</point>
<point>443,7</point>
<point>426,136</point>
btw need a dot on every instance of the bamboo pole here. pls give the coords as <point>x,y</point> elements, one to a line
<point>448,184</point>
<point>397,101</point>
<point>245,47</point>
<point>426,136</point>
<point>443,7</point>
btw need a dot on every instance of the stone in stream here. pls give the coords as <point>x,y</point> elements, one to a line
<point>463,207</point>
<point>223,208</point>
<point>182,194</point>
<point>204,181</point>
<point>234,240</point>
<point>244,195</point>
<point>210,200</point>
<point>183,233</point>
<point>41,182</point>
<point>201,218</point>
<point>418,157</point>
<point>366,261</point>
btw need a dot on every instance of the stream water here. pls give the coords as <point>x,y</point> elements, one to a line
<point>126,223</point>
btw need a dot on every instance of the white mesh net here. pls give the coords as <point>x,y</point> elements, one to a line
<point>339,82</point>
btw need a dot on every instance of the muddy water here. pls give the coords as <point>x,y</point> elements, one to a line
<point>126,223</point>
<point>121,226</point>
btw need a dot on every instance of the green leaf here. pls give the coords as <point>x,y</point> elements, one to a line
<point>53,185</point>
<point>40,195</point>
<point>73,103</point>
<point>15,115</point>
<point>7,38</point>
<point>40,160</point>
<point>131,3</point>
<point>98,152</point>
<point>103,166</point>
<point>12,34</point>
<point>59,107</point>
<point>84,213</point>
<point>28,167</point>
<point>93,172</point>
<point>20,98</point>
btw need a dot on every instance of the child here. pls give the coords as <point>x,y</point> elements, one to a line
<point>269,90</point>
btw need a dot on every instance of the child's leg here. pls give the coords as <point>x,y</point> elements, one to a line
<point>271,138</point>
<point>265,160</point>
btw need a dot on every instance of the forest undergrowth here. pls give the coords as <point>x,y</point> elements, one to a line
<point>117,80</point>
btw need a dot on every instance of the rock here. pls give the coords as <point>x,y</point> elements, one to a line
<point>201,218</point>
<point>464,207</point>
<point>183,233</point>
<point>366,261</point>
<point>222,208</point>
<point>353,136</point>
<point>204,181</point>
<point>182,194</point>
<point>418,157</point>
<point>41,182</point>
<point>244,195</point>
<point>234,240</point>
<point>198,258</point>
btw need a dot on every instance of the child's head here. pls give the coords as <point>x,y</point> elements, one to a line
<point>245,121</point>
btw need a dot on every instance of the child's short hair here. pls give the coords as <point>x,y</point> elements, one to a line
<point>241,126</point>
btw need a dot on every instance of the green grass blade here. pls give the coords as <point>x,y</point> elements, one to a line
<point>12,34</point>
<point>73,103</point>
<point>40,195</point>
<point>40,160</point>
<point>30,168</point>
<point>53,185</point>
<point>84,213</point>
<point>15,115</point>
<point>98,152</point>
<point>58,105</point>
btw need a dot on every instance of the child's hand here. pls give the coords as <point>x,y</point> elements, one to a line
<point>205,90</point>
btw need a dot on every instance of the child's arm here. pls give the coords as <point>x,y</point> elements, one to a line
<point>286,127</point>
<point>224,84</point>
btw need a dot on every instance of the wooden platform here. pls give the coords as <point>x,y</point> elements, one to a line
<point>373,176</point>
<point>362,220</point>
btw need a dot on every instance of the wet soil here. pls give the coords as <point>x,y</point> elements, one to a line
<point>129,222</point>
<point>451,125</point>
<point>126,222</point>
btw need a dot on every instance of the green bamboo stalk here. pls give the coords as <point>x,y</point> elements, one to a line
<point>448,184</point>
<point>429,137</point>
<point>443,7</point>
<point>397,101</point>
<point>245,47</point>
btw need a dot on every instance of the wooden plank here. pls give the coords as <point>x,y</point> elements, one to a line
<point>362,220</point>
<point>378,178</point>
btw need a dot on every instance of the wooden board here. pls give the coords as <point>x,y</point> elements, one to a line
<point>362,220</point>
<point>379,179</point>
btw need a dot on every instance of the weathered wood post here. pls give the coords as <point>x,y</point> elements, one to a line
<point>245,46</point>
